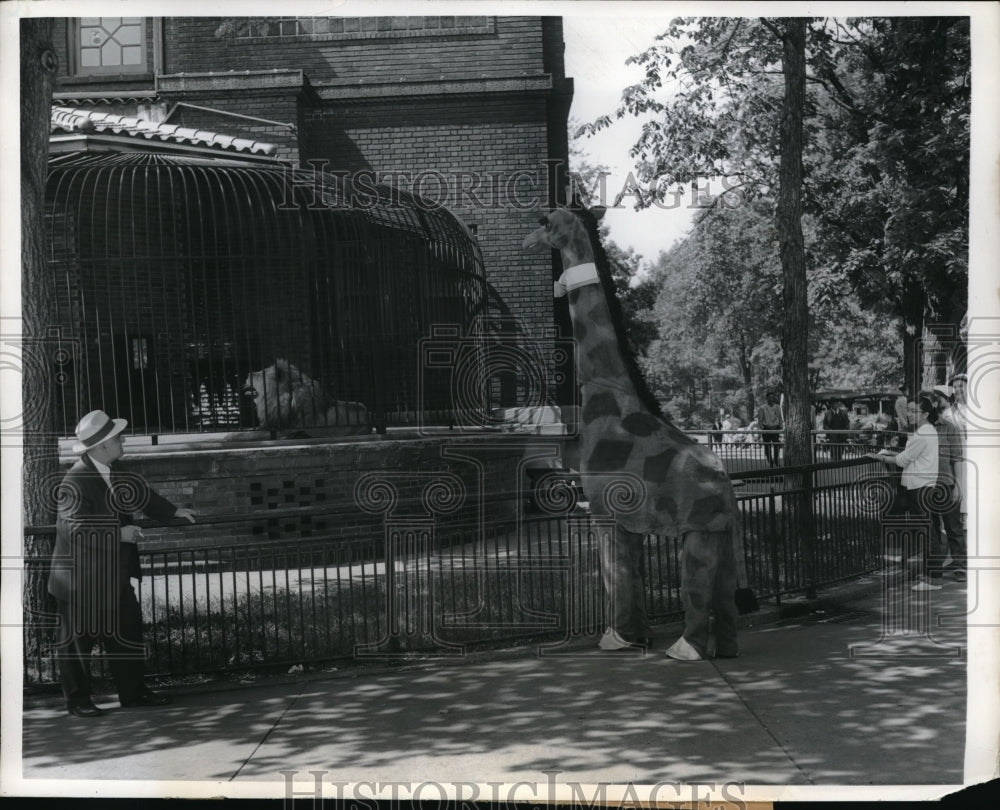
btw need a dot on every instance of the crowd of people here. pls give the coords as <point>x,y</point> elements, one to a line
<point>923,443</point>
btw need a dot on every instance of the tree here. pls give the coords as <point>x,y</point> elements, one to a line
<point>38,65</point>
<point>892,211</point>
<point>718,303</point>
<point>795,324</point>
<point>886,105</point>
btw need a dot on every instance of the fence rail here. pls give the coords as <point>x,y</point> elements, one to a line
<point>430,588</point>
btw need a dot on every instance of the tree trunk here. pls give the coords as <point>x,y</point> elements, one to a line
<point>746,369</point>
<point>795,325</point>
<point>914,300</point>
<point>40,460</point>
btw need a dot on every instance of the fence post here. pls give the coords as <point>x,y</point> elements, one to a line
<point>808,528</point>
<point>777,541</point>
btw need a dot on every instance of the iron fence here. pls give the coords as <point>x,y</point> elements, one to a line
<point>426,588</point>
<point>744,448</point>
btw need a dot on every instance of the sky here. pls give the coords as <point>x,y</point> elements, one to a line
<point>596,50</point>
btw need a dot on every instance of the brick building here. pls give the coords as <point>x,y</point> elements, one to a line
<point>467,112</point>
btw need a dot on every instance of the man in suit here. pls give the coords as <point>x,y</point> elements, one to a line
<point>94,560</point>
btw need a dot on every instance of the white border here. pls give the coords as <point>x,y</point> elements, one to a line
<point>982,746</point>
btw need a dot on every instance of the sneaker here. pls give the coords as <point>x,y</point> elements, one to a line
<point>959,576</point>
<point>893,558</point>
<point>924,585</point>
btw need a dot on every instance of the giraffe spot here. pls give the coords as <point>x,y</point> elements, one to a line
<point>605,356</point>
<point>610,454</point>
<point>698,470</point>
<point>667,504</point>
<point>641,424</point>
<point>704,509</point>
<point>599,312</point>
<point>602,404</point>
<point>657,467</point>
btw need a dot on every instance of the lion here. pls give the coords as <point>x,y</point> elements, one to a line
<point>287,398</point>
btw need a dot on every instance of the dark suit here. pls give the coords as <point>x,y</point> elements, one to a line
<point>90,577</point>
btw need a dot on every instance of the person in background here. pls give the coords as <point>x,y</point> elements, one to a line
<point>716,435</point>
<point>94,559</point>
<point>919,462</point>
<point>960,409</point>
<point>771,425</point>
<point>948,515</point>
<point>837,420</point>
<point>900,410</point>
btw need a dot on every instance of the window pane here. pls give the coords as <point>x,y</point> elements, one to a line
<point>110,44</point>
<point>91,36</point>
<point>128,34</point>
<point>111,53</point>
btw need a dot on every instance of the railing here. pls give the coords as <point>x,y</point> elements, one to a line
<point>430,589</point>
<point>744,448</point>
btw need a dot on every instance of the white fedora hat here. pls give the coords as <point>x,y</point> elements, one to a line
<point>94,428</point>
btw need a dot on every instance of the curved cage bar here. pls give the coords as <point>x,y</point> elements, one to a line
<point>178,277</point>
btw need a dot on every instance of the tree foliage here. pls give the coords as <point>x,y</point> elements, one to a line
<point>885,172</point>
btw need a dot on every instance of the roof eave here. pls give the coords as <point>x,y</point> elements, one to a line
<point>60,143</point>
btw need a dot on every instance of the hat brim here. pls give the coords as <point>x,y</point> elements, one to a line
<point>120,425</point>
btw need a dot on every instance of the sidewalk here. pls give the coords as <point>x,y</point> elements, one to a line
<point>795,708</point>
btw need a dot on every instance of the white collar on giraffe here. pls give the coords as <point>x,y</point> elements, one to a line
<point>576,276</point>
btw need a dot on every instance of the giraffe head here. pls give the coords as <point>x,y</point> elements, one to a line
<point>564,231</point>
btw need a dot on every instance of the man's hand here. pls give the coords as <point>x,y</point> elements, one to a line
<point>131,534</point>
<point>188,514</point>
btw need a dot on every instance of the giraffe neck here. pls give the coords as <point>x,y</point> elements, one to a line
<point>599,360</point>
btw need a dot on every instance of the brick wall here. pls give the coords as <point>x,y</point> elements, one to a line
<point>499,142</point>
<point>254,482</point>
<point>513,48</point>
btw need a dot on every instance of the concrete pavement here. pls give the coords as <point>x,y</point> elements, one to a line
<point>798,707</point>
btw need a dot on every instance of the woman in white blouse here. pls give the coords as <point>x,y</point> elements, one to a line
<point>919,461</point>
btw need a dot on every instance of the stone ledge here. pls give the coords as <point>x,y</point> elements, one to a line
<point>361,91</point>
<point>231,80</point>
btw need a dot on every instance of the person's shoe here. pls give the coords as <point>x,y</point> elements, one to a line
<point>681,650</point>
<point>611,640</point>
<point>84,710</point>
<point>959,576</point>
<point>925,585</point>
<point>147,698</point>
<point>893,558</point>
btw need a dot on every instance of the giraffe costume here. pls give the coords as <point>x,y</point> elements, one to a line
<point>685,490</point>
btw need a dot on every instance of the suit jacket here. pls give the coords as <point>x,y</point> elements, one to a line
<point>89,556</point>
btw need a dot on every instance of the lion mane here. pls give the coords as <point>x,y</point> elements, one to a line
<point>285,397</point>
